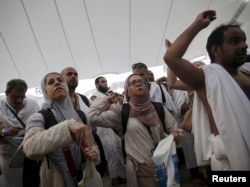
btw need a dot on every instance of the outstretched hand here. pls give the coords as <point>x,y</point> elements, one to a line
<point>205,18</point>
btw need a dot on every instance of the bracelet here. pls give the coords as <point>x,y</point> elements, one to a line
<point>4,132</point>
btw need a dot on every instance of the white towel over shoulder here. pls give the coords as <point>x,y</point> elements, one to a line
<point>231,111</point>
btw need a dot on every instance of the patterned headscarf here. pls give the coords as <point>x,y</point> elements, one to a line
<point>141,107</point>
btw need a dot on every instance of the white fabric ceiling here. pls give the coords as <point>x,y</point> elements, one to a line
<point>99,36</point>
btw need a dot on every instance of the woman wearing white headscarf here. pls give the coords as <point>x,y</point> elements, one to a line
<point>143,118</point>
<point>70,131</point>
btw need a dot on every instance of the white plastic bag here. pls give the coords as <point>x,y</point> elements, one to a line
<point>165,160</point>
<point>91,177</point>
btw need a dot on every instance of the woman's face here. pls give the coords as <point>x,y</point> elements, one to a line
<point>56,87</point>
<point>137,85</point>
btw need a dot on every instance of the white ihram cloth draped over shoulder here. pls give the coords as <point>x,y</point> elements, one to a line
<point>179,98</point>
<point>231,110</point>
<point>156,96</point>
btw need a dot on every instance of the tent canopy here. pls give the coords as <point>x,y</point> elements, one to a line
<point>98,37</point>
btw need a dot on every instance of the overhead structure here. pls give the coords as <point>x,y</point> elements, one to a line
<point>98,37</point>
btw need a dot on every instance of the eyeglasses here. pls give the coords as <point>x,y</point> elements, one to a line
<point>135,82</point>
<point>139,65</point>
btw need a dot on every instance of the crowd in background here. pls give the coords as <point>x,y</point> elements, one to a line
<point>91,129</point>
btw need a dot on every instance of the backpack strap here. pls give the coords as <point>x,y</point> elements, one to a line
<point>162,94</point>
<point>125,113</point>
<point>160,111</point>
<point>49,121</point>
<point>82,116</point>
<point>85,99</point>
<point>49,118</point>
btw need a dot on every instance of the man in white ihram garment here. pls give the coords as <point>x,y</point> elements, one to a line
<point>112,143</point>
<point>12,131</point>
<point>222,93</point>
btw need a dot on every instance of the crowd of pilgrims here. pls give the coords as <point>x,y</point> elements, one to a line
<point>92,130</point>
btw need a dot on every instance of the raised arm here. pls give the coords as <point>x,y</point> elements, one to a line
<point>182,68</point>
<point>173,82</point>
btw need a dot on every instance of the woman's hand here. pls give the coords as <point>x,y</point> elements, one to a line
<point>111,97</point>
<point>91,153</point>
<point>81,134</point>
<point>176,135</point>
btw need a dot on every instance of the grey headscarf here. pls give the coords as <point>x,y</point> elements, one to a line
<point>63,110</point>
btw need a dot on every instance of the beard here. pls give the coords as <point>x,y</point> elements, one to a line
<point>236,60</point>
<point>103,89</point>
<point>236,63</point>
<point>72,85</point>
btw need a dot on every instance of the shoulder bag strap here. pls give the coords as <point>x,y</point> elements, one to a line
<point>15,114</point>
<point>70,163</point>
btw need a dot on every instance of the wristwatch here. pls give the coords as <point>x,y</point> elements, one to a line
<point>4,132</point>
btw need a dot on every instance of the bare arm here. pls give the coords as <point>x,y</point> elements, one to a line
<point>173,82</point>
<point>182,68</point>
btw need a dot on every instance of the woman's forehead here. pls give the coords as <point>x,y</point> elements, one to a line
<point>135,77</point>
<point>53,75</point>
